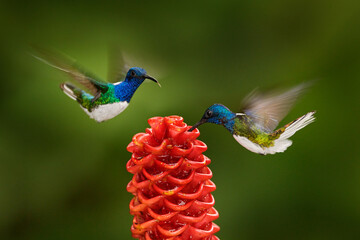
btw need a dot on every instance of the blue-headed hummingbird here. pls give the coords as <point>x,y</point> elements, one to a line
<point>102,100</point>
<point>254,127</point>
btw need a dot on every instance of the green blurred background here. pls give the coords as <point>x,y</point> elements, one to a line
<point>63,176</point>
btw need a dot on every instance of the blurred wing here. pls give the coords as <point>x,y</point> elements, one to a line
<point>117,65</point>
<point>68,66</point>
<point>267,110</point>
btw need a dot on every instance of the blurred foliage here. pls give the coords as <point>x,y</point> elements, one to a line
<point>63,176</point>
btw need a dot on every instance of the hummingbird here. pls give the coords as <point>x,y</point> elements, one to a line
<point>102,100</point>
<point>254,126</point>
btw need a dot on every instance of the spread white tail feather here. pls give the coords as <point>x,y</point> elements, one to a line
<point>68,91</point>
<point>282,143</point>
<point>298,124</point>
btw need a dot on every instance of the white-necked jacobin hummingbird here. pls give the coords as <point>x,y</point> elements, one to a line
<point>254,126</point>
<point>105,100</point>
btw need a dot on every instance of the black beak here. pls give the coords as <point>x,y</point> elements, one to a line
<point>152,79</point>
<point>202,121</point>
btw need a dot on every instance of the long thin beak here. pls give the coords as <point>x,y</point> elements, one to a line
<point>202,121</point>
<point>152,79</point>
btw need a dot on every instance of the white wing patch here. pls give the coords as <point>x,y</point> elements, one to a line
<point>280,144</point>
<point>106,111</point>
<point>117,83</point>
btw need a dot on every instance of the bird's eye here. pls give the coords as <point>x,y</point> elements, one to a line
<point>132,73</point>
<point>208,114</point>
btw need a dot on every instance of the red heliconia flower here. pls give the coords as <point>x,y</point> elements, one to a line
<point>171,183</point>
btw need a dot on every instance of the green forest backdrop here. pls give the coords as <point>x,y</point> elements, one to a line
<point>63,176</point>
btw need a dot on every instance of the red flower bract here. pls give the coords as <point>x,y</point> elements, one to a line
<point>171,183</point>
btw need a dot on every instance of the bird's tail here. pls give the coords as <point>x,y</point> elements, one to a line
<point>72,91</point>
<point>279,139</point>
<point>282,135</point>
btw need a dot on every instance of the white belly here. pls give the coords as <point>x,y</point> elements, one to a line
<point>105,112</point>
<point>280,145</point>
<point>249,145</point>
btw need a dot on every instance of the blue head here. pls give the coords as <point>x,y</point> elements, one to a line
<point>138,75</point>
<point>134,78</point>
<point>218,114</point>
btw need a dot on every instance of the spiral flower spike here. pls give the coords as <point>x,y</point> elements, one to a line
<point>171,183</point>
